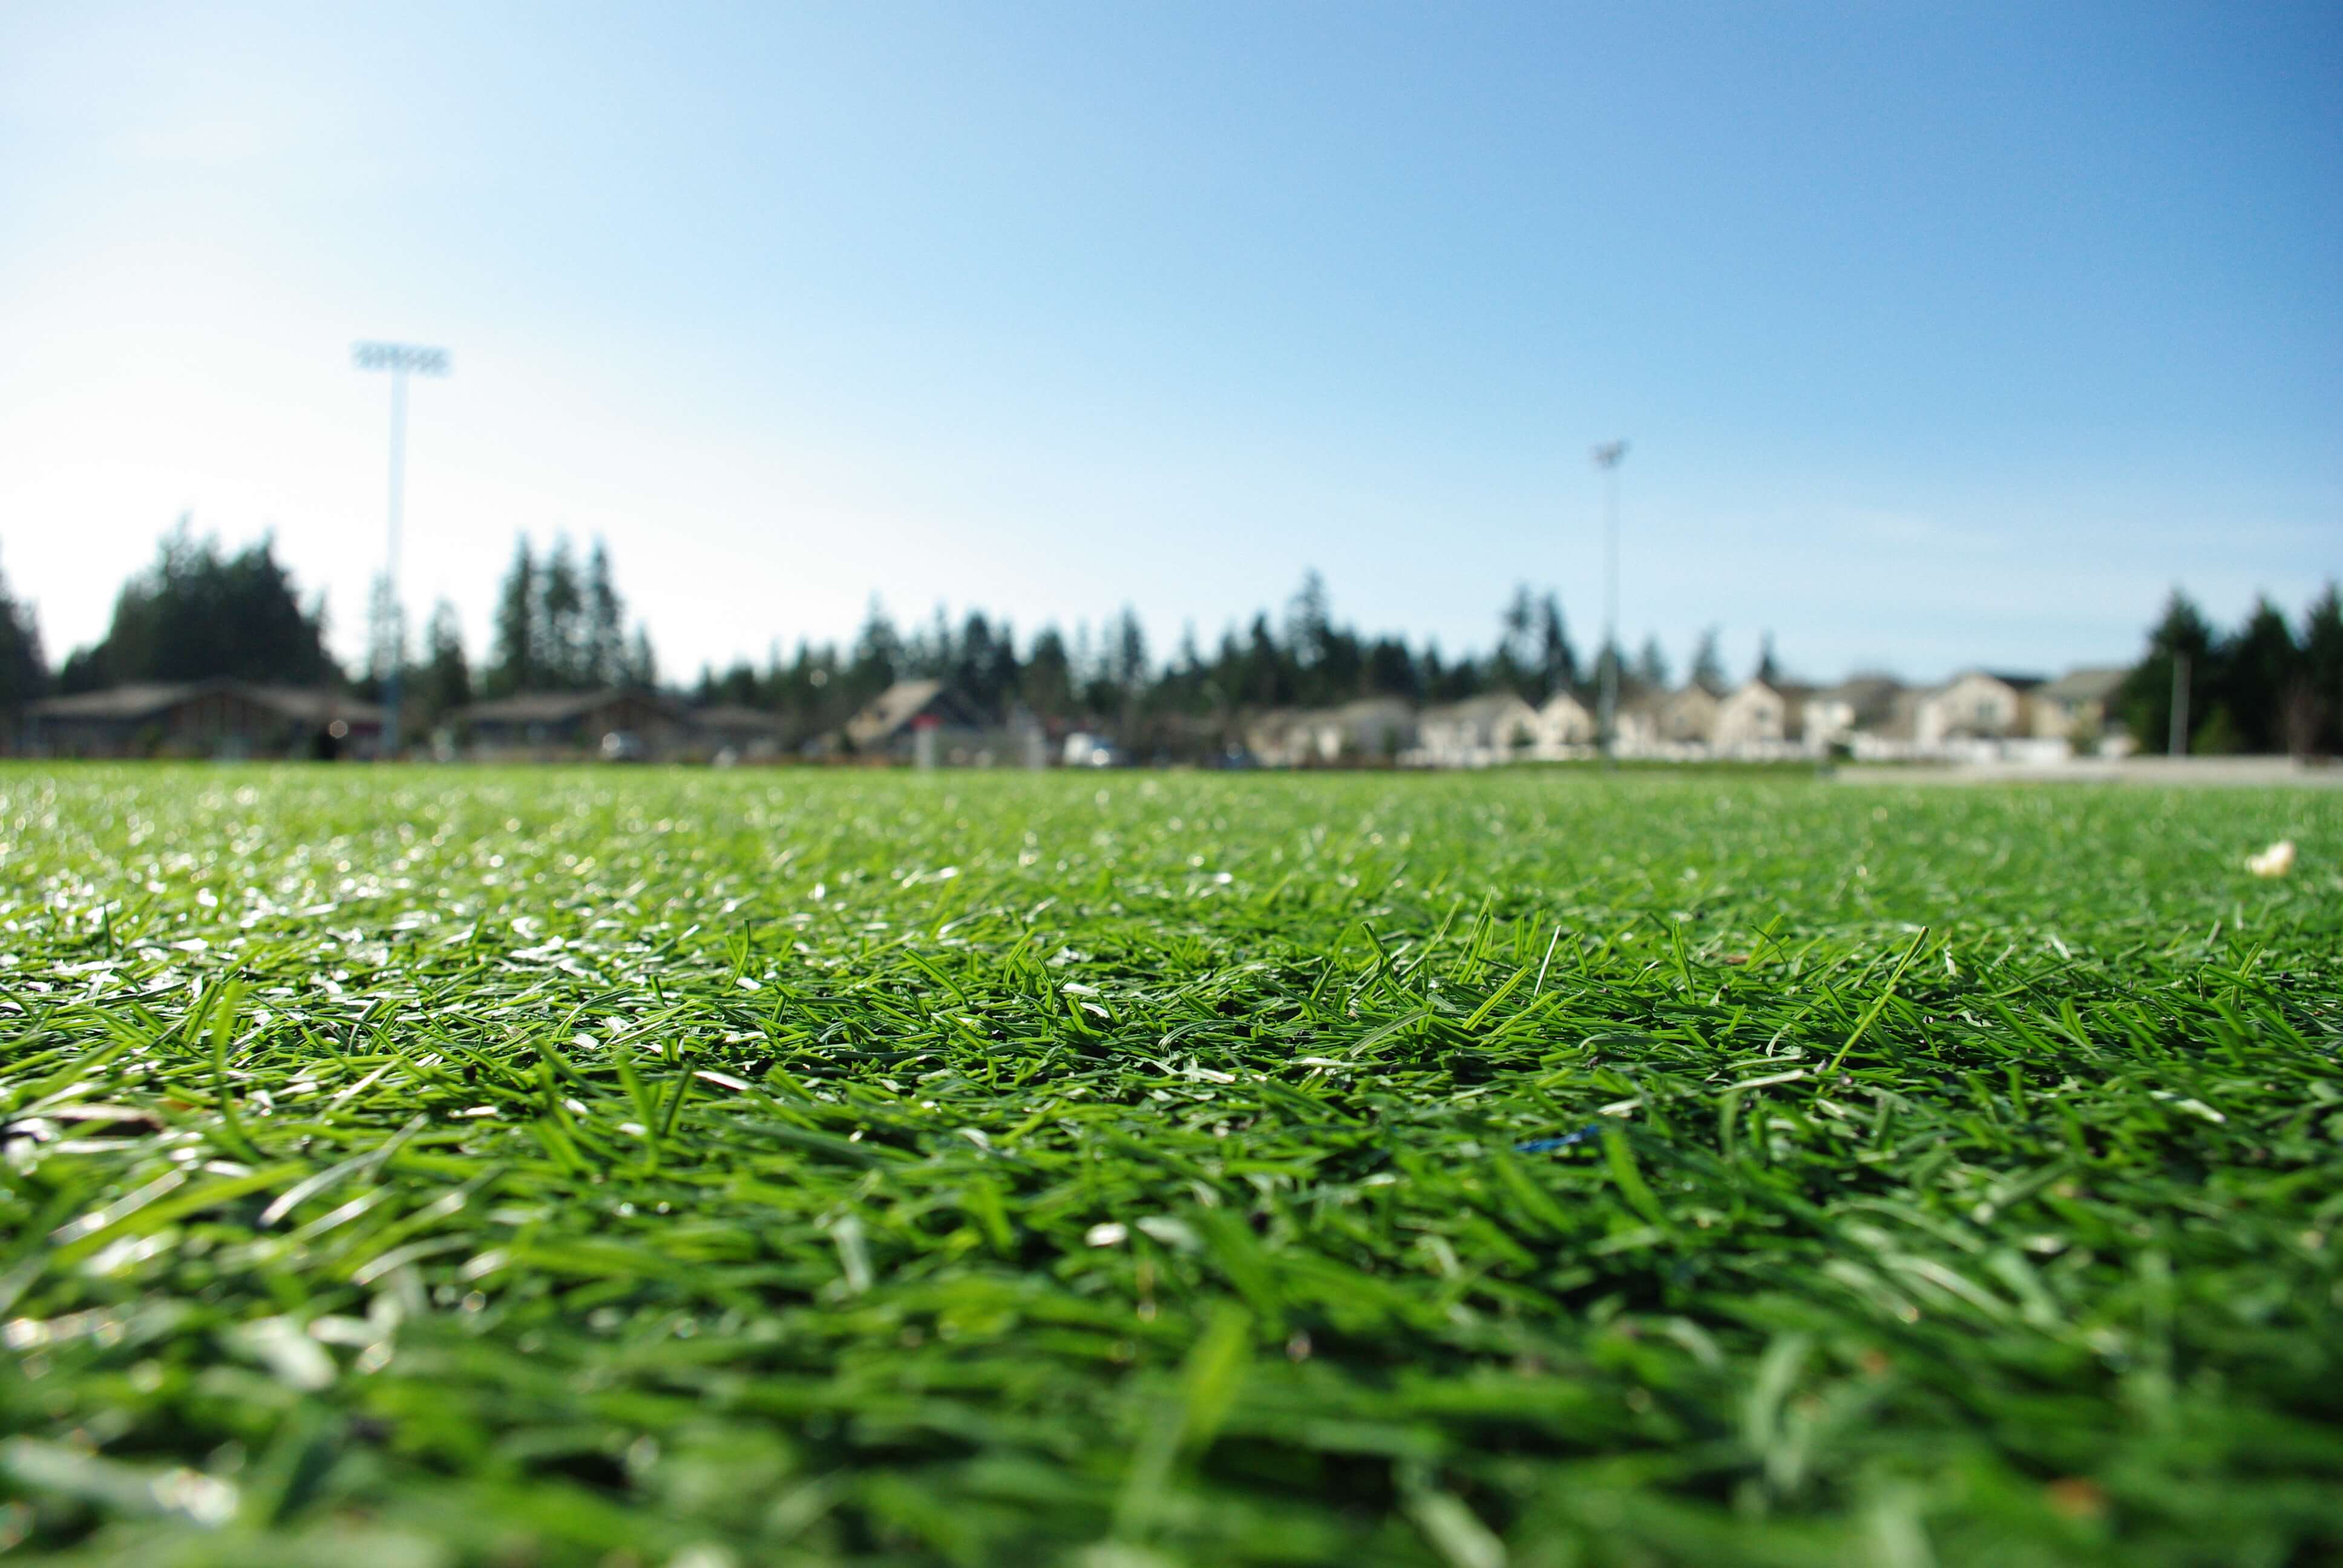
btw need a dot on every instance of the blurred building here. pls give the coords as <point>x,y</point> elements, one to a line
<point>1278,738</point>
<point>1636,726</point>
<point>2079,707</point>
<point>733,733</point>
<point>1564,727</point>
<point>221,717</point>
<point>1835,714</point>
<point>890,727</point>
<point>1687,718</point>
<point>1979,715</point>
<point>1977,705</point>
<point>1367,732</point>
<point>617,724</point>
<point>1760,718</point>
<point>1497,727</point>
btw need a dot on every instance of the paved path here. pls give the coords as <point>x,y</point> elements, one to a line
<point>2203,771</point>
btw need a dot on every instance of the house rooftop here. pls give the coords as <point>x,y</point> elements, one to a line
<point>315,703</point>
<point>1487,705</point>
<point>890,710</point>
<point>1780,685</point>
<point>1371,707</point>
<point>902,702</point>
<point>126,702</point>
<point>737,716</point>
<point>2092,683</point>
<point>144,699</point>
<point>549,707</point>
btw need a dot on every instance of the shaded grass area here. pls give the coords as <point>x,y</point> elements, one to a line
<point>616,1168</point>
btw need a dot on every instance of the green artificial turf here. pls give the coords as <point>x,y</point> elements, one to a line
<point>683,1170</point>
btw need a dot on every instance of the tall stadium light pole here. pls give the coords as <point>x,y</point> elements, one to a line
<point>399,359</point>
<point>1607,458</point>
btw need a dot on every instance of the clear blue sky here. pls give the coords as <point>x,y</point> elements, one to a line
<point>1944,334</point>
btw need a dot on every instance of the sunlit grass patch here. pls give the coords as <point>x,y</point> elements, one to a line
<point>669,1168</point>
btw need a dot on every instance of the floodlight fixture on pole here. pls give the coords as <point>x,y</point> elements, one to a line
<point>401,359</point>
<point>1607,458</point>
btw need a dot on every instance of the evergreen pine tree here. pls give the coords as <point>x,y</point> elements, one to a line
<point>196,614</point>
<point>605,661</point>
<point>445,682</point>
<point>642,665</point>
<point>2146,696</point>
<point>562,619</point>
<point>1515,665</point>
<point>1048,686</point>
<point>23,670</point>
<point>1557,660</point>
<point>2322,672</point>
<point>877,661</point>
<point>2260,668</point>
<point>1708,665</point>
<point>512,662</point>
<point>1650,670</point>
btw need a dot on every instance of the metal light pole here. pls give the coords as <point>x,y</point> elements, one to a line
<point>398,358</point>
<point>1607,458</point>
<point>2176,739</point>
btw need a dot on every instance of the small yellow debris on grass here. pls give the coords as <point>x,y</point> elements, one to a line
<point>2275,862</point>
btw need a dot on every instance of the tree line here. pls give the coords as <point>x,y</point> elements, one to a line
<point>2268,686</point>
<point>560,624</point>
<point>199,612</point>
<point>1303,658</point>
<point>1114,677</point>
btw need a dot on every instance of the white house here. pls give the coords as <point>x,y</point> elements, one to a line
<point>1758,718</point>
<point>1635,727</point>
<point>1370,730</point>
<point>1279,737</point>
<point>1687,718</point>
<point>1564,727</point>
<point>1976,705</point>
<point>1475,732</point>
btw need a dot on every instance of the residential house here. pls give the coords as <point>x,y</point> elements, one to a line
<point>1564,727</point>
<point>1369,729</point>
<point>1976,705</point>
<point>1498,727</point>
<point>924,721</point>
<point>312,722</point>
<point>2079,707</point>
<point>617,724</point>
<point>1279,737</point>
<point>1687,718</point>
<point>1636,726</point>
<point>1160,737</point>
<point>1835,715</point>
<point>736,733</point>
<point>1759,719</point>
<point>222,718</point>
